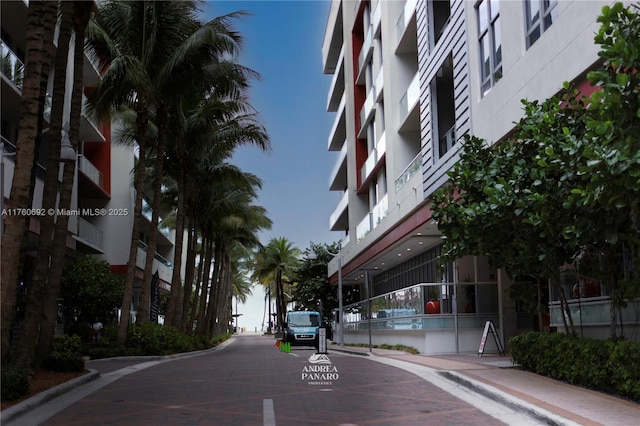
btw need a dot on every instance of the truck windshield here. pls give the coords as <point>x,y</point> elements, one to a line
<point>304,320</point>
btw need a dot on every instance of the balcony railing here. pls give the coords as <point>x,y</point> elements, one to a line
<point>373,218</point>
<point>367,109</point>
<point>12,66</point>
<point>90,233</point>
<point>410,98</point>
<point>448,140</point>
<point>375,156</point>
<point>409,171</point>
<point>156,256</point>
<point>405,16</point>
<point>90,171</point>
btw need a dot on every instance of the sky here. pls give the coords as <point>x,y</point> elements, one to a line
<point>283,42</point>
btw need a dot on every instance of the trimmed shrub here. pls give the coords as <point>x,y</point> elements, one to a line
<point>156,339</point>
<point>66,354</point>
<point>15,383</point>
<point>603,365</point>
<point>64,361</point>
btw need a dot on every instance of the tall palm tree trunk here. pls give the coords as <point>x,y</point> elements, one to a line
<point>188,283</point>
<point>15,227</point>
<point>141,124</point>
<point>173,316</point>
<point>218,264</point>
<point>143,309</point>
<point>82,13</point>
<point>26,351</point>
<point>201,328</point>
<point>198,296</point>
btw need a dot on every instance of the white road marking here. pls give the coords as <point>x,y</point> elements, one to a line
<point>268,413</point>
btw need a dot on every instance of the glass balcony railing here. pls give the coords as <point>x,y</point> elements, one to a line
<point>90,171</point>
<point>379,212</point>
<point>90,233</point>
<point>373,218</point>
<point>12,66</point>
<point>410,98</point>
<point>157,256</point>
<point>409,171</point>
<point>363,228</point>
<point>405,16</point>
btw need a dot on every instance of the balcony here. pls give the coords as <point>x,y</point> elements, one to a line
<point>366,112</point>
<point>89,127</point>
<point>379,84</point>
<point>160,264</point>
<point>406,28</point>
<point>374,159</point>
<point>409,171</point>
<point>409,105</point>
<point>338,133</point>
<point>90,235</point>
<point>373,219</point>
<point>339,173</point>
<point>365,54</point>
<point>376,17</point>
<point>336,89</point>
<point>90,171</point>
<point>12,66</point>
<point>339,219</point>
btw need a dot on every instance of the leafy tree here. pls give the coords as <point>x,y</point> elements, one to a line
<point>312,280</point>
<point>89,289</point>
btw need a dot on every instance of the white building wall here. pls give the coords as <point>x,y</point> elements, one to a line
<point>562,53</point>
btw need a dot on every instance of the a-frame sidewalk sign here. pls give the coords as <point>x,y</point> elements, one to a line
<point>489,327</point>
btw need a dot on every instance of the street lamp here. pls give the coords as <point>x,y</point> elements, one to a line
<point>312,256</point>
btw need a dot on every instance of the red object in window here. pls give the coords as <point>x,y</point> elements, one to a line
<point>433,307</point>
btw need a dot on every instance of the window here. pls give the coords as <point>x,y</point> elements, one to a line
<point>490,43</point>
<point>539,15</point>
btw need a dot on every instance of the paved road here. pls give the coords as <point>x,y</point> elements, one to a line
<point>250,382</point>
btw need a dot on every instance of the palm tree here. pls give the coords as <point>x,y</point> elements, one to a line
<point>228,218</point>
<point>149,47</point>
<point>278,259</point>
<point>41,20</point>
<point>213,127</point>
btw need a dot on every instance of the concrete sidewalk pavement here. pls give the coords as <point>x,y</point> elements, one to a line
<point>495,377</point>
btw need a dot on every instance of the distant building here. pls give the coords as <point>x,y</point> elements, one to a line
<point>409,79</point>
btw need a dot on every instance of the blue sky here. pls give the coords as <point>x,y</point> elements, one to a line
<point>283,42</point>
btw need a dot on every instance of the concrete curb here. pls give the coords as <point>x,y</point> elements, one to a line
<point>46,396</point>
<point>543,416</point>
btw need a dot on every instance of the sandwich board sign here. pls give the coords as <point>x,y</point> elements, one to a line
<point>490,328</point>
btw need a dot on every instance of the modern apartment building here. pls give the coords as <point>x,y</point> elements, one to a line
<point>409,79</point>
<point>104,167</point>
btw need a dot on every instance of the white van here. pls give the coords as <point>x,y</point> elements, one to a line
<point>301,328</point>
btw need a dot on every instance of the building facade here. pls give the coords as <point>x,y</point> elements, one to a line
<point>409,79</point>
<point>103,180</point>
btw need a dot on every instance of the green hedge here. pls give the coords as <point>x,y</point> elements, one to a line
<point>156,339</point>
<point>15,383</point>
<point>603,365</point>
<point>66,354</point>
<point>150,339</point>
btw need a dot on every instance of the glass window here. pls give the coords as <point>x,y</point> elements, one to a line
<point>539,15</point>
<point>490,40</point>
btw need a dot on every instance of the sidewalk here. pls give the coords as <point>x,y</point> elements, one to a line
<point>495,377</point>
